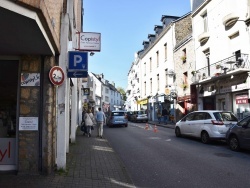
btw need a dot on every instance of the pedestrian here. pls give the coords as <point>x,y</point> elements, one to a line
<point>89,121</point>
<point>159,115</point>
<point>165,114</point>
<point>83,126</point>
<point>100,120</point>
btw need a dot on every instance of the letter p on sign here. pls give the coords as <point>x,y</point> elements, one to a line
<point>77,59</point>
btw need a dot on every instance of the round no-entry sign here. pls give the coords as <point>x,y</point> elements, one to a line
<point>56,75</point>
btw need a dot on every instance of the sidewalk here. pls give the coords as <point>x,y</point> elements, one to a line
<point>91,162</point>
<point>168,125</point>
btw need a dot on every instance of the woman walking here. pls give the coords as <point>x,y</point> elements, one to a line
<point>89,121</point>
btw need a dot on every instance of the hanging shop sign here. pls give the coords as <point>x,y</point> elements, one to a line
<point>89,41</point>
<point>241,99</point>
<point>56,75</point>
<point>86,91</point>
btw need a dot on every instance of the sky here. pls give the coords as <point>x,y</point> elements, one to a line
<point>124,25</point>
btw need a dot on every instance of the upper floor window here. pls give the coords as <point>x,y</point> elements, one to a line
<point>150,64</point>
<point>184,55</point>
<point>158,82</point>
<point>166,77</point>
<point>106,91</point>
<point>157,58</point>
<point>145,87</point>
<point>205,22</point>
<point>145,69</point>
<point>166,50</point>
<point>150,85</point>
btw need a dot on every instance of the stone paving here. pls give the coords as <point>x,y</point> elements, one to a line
<point>91,162</point>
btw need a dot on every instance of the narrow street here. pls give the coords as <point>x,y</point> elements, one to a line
<point>156,158</point>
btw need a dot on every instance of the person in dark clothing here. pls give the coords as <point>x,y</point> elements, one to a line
<point>165,115</point>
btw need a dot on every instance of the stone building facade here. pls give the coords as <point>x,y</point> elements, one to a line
<point>31,45</point>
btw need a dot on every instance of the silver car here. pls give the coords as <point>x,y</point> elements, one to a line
<point>139,116</point>
<point>117,118</point>
<point>206,124</point>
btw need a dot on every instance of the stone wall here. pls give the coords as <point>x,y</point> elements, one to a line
<point>36,149</point>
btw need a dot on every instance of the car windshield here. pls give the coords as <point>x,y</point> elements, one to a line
<point>141,112</point>
<point>118,113</point>
<point>225,116</point>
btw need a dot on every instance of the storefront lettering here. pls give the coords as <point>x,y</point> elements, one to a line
<point>7,151</point>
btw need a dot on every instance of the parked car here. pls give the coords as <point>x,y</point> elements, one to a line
<point>139,116</point>
<point>238,136</point>
<point>129,115</point>
<point>206,124</point>
<point>117,118</point>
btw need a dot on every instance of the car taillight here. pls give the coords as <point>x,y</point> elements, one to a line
<point>215,122</point>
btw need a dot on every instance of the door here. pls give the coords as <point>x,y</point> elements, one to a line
<point>8,114</point>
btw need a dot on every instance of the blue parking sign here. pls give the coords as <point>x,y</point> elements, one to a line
<point>78,61</point>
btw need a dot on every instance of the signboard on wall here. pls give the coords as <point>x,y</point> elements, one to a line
<point>241,99</point>
<point>30,79</point>
<point>28,123</point>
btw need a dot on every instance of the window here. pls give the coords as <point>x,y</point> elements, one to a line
<point>150,85</point>
<point>145,87</point>
<point>157,58</point>
<point>205,22</point>
<point>158,82</point>
<point>184,55</point>
<point>150,64</point>
<point>145,69</point>
<point>185,78</point>
<point>166,51</point>
<point>166,76</point>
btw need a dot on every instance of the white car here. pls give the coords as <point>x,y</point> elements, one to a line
<point>206,124</point>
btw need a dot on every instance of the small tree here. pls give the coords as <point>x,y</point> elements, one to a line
<point>121,90</point>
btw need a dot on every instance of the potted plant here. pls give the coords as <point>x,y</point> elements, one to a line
<point>183,58</point>
<point>193,72</point>
<point>184,86</point>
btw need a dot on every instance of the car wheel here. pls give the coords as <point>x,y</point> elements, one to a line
<point>205,137</point>
<point>234,143</point>
<point>177,132</point>
<point>126,125</point>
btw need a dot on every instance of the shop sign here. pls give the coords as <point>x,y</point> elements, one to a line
<point>28,123</point>
<point>30,79</point>
<point>143,101</point>
<point>89,41</point>
<point>241,99</point>
<point>7,151</point>
<point>86,91</point>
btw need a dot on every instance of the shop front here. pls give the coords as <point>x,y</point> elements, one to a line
<point>8,114</point>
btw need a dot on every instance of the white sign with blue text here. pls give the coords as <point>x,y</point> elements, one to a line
<point>78,64</point>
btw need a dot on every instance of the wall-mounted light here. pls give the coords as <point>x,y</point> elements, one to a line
<point>92,53</point>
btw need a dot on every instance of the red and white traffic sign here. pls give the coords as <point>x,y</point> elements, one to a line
<point>56,75</point>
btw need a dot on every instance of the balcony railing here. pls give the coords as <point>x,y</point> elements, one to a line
<point>231,65</point>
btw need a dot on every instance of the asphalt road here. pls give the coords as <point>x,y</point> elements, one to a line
<point>156,158</point>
